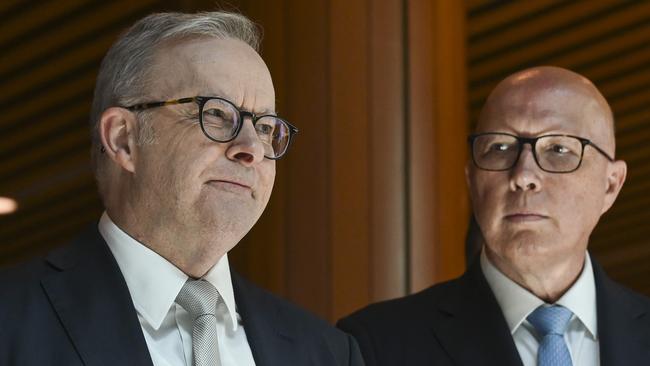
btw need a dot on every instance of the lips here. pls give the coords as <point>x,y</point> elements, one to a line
<point>233,182</point>
<point>525,217</point>
<point>233,186</point>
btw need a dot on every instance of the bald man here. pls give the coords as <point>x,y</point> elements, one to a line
<point>543,171</point>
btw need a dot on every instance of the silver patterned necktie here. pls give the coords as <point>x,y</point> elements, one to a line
<point>551,323</point>
<point>200,299</point>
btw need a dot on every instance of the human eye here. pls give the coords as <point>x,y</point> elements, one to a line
<point>500,147</point>
<point>497,148</point>
<point>214,113</point>
<point>265,129</point>
<point>561,147</point>
<point>217,118</point>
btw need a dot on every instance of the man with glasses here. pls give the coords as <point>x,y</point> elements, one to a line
<point>542,172</point>
<point>185,139</point>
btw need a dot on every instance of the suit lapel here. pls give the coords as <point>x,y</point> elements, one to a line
<point>271,336</point>
<point>92,301</point>
<point>623,325</point>
<point>470,324</point>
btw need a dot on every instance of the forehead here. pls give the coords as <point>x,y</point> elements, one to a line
<point>227,68</point>
<point>530,110</point>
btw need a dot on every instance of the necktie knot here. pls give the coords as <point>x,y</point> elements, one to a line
<point>198,297</point>
<point>550,319</point>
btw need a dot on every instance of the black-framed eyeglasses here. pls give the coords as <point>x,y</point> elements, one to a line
<point>498,151</point>
<point>221,121</point>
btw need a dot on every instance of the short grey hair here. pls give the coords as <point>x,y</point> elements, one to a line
<point>124,72</point>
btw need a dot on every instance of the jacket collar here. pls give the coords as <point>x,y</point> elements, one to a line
<point>91,298</point>
<point>623,324</point>
<point>473,329</point>
<point>271,333</point>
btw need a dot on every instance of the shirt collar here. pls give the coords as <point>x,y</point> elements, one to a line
<point>219,277</point>
<point>581,298</point>
<point>154,282</point>
<point>517,303</point>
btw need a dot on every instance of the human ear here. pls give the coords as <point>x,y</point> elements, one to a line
<point>117,131</point>
<point>616,173</point>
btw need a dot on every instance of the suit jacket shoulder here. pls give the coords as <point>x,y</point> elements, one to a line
<point>457,322</point>
<point>280,333</point>
<point>623,322</point>
<point>74,308</point>
<point>70,308</point>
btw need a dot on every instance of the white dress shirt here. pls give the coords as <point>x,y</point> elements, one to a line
<point>517,303</point>
<point>154,283</point>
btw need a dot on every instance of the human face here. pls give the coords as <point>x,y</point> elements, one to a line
<point>532,220</point>
<point>196,198</point>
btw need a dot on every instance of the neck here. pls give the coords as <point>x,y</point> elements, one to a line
<point>193,257</point>
<point>548,280</point>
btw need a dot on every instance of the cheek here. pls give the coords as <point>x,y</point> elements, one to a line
<point>579,208</point>
<point>267,178</point>
<point>181,170</point>
<point>487,191</point>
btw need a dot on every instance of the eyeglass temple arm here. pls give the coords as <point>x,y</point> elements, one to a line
<point>588,142</point>
<point>142,106</point>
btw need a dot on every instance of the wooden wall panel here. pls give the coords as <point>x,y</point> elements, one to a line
<point>349,154</point>
<point>51,52</point>
<point>344,77</point>
<point>422,199</point>
<point>388,166</point>
<point>437,151</point>
<point>309,261</point>
<point>332,86</point>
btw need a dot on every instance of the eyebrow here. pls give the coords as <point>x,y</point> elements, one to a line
<point>265,112</point>
<point>220,94</point>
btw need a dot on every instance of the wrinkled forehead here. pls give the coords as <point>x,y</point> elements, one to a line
<point>531,109</point>
<point>227,68</point>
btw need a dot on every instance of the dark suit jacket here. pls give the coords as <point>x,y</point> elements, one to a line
<point>74,308</point>
<point>460,323</point>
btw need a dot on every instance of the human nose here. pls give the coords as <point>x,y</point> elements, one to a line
<point>524,175</point>
<point>246,148</point>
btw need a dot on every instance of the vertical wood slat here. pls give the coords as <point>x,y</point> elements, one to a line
<point>451,151</point>
<point>437,130</point>
<point>308,241</point>
<point>387,178</point>
<point>421,185</point>
<point>349,155</point>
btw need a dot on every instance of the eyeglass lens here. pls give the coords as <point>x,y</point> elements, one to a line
<point>221,121</point>
<point>553,153</point>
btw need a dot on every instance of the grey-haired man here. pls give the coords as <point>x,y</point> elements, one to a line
<point>185,139</point>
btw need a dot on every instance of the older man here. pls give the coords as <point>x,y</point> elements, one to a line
<point>185,143</point>
<point>542,173</point>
